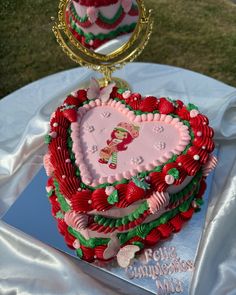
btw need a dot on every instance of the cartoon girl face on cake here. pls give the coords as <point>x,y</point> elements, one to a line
<point>122,135</point>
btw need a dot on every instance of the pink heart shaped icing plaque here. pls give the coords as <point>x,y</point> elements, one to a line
<point>111,143</point>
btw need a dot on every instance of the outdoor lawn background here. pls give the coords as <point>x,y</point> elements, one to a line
<point>197,35</point>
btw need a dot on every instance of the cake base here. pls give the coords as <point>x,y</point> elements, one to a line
<point>176,253</point>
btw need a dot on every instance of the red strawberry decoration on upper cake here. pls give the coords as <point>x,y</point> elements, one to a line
<point>70,114</point>
<point>149,104</point>
<point>165,106</point>
<point>134,101</point>
<point>136,189</point>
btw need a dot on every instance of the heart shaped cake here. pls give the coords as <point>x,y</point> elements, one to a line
<point>125,171</point>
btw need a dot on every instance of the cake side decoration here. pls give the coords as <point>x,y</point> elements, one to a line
<point>112,192</point>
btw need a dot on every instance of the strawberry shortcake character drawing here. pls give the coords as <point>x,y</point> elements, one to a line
<point>122,135</point>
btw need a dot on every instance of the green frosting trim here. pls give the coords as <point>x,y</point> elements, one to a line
<point>191,107</point>
<point>174,172</point>
<point>111,222</point>
<point>103,18</point>
<point>121,91</point>
<point>82,19</point>
<point>141,183</point>
<point>113,198</point>
<point>59,215</point>
<point>61,199</point>
<point>199,202</point>
<point>112,20</point>
<point>47,139</point>
<point>111,35</point>
<point>139,244</point>
<point>68,107</point>
<point>49,194</point>
<point>143,229</point>
<point>90,243</point>
<point>79,252</point>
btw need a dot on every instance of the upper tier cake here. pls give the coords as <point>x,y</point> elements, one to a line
<point>95,22</point>
<point>125,170</point>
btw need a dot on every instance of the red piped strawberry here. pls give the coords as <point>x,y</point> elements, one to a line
<point>115,94</point>
<point>136,190</point>
<point>70,115</point>
<point>179,104</point>
<point>82,95</point>
<point>71,100</point>
<point>134,101</point>
<point>149,104</point>
<point>183,113</point>
<point>165,106</point>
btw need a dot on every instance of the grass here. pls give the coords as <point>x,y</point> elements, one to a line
<point>197,35</point>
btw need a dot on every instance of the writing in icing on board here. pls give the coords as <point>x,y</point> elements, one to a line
<point>122,135</point>
<point>165,267</point>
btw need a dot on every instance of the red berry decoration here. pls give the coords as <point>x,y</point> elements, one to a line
<point>134,101</point>
<point>70,115</point>
<point>149,104</point>
<point>136,190</point>
<point>165,106</point>
<point>71,100</point>
<point>82,95</point>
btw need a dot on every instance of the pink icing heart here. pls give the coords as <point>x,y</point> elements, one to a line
<point>121,137</point>
<point>92,13</point>
<point>126,4</point>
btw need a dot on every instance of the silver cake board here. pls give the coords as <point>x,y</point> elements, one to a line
<point>166,268</point>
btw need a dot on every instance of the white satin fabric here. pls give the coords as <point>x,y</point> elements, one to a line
<point>29,267</point>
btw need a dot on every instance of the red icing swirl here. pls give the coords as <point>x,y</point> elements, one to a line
<point>157,179</point>
<point>81,201</point>
<point>199,120</point>
<point>99,200</point>
<point>188,163</point>
<point>204,142</point>
<point>193,150</point>
<point>88,253</point>
<point>153,237</point>
<point>98,251</point>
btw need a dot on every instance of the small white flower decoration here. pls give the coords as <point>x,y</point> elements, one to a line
<point>89,128</point>
<point>160,145</point>
<point>93,149</point>
<point>158,129</point>
<point>105,114</point>
<point>136,160</point>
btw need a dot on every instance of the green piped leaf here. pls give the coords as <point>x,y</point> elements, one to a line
<point>59,215</point>
<point>121,90</point>
<point>184,207</point>
<point>67,107</point>
<point>174,172</point>
<point>141,183</point>
<point>47,139</point>
<point>113,198</point>
<point>139,244</point>
<point>50,193</point>
<point>79,252</point>
<point>199,202</point>
<point>191,107</point>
